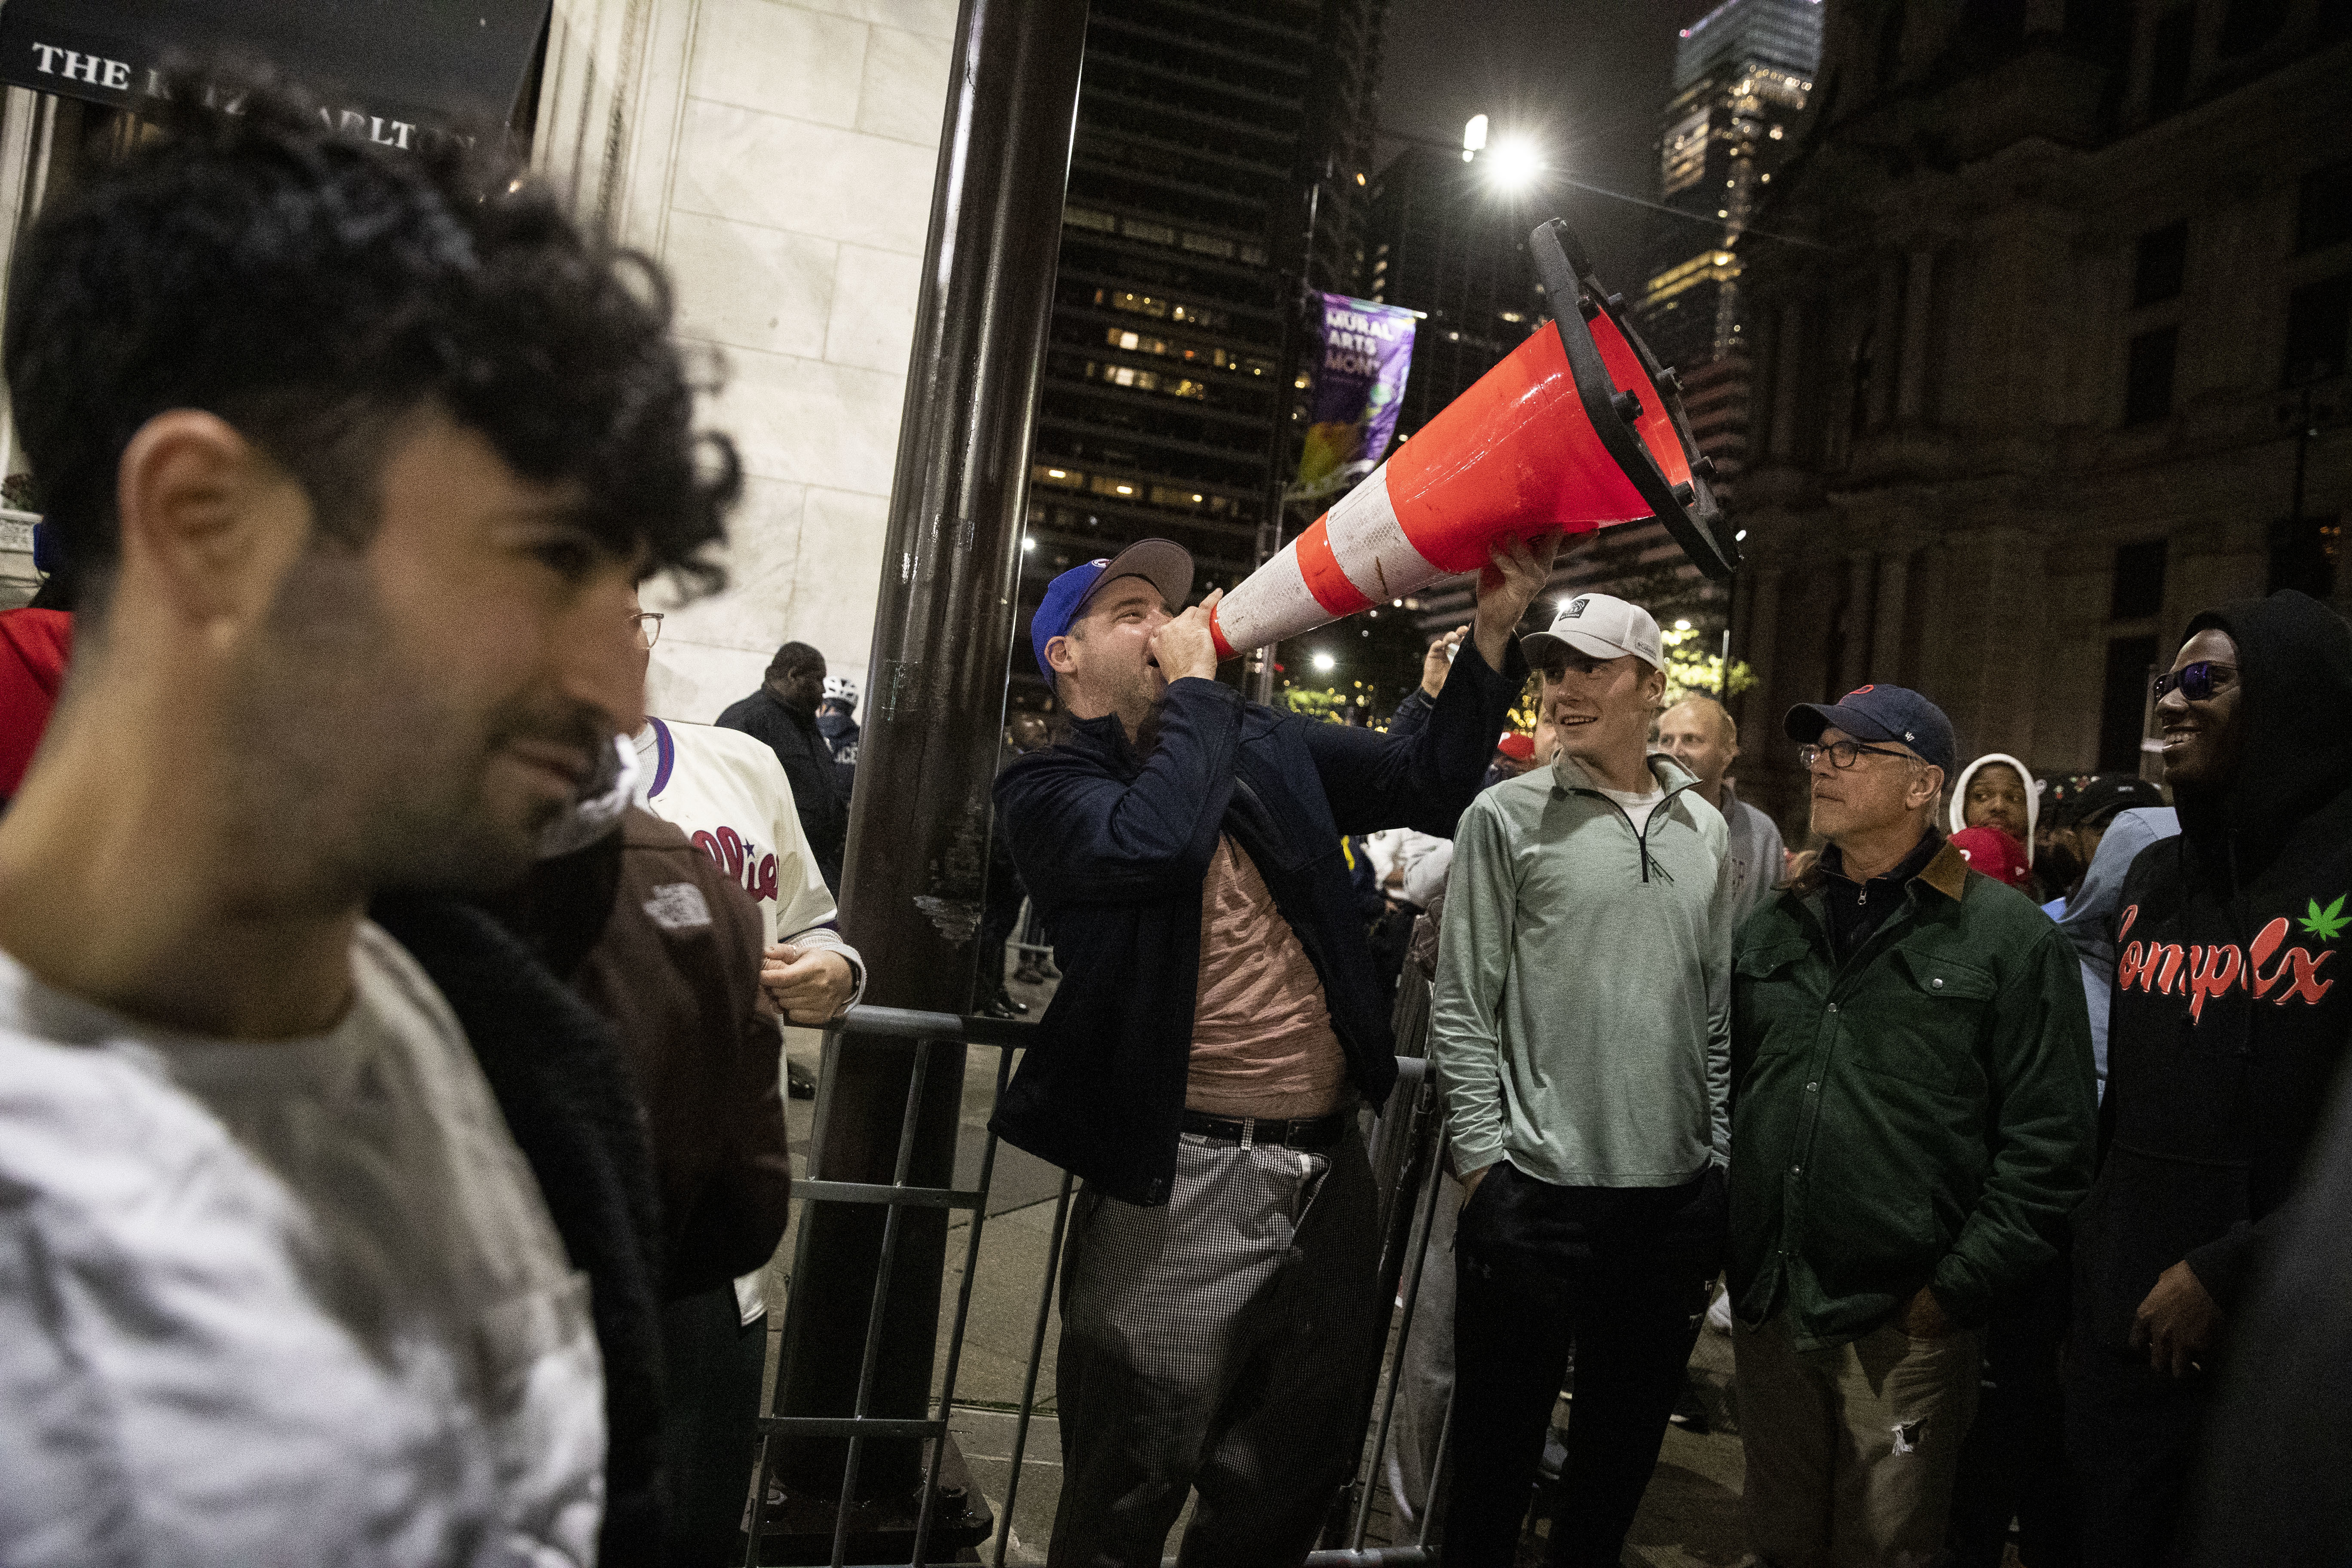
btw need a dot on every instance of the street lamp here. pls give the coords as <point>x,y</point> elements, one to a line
<point>1324,663</point>
<point>1513,165</point>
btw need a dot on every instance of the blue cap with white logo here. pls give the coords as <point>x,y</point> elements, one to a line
<point>1163,563</point>
<point>1879,713</point>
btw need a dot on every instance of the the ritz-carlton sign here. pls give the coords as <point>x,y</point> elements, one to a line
<point>98,70</point>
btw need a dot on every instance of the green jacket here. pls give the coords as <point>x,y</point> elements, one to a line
<point>1579,1024</point>
<point>1921,1116</point>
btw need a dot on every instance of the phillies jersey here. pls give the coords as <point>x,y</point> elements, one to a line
<point>727,793</point>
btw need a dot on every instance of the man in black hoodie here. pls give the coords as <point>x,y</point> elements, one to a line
<point>2227,1025</point>
<point>783,714</point>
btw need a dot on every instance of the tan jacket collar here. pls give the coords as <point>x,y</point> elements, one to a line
<point>1946,871</point>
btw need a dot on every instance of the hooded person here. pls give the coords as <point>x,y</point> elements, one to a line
<point>2226,1028</point>
<point>1983,798</point>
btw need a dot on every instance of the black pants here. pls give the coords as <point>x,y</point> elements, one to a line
<point>712,1361</point>
<point>2014,1461</point>
<point>2135,1435</point>
<point>1620,1273</point>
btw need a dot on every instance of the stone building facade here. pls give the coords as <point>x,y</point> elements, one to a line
<point>776,156</point>
<point>2065,322</point>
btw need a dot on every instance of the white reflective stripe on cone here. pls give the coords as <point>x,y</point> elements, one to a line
<point>1369,543</point>
<point>1272,604</point>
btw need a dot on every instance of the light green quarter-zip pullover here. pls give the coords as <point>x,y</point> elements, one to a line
<point>1580,1019</point>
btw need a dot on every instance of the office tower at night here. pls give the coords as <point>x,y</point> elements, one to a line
<point>1207,131</point>
<point>1441,239</point>
<point>1741,76</point>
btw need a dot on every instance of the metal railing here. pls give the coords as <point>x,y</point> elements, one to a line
<point>1406,1152</point>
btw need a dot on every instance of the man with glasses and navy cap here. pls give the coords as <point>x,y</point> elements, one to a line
<point>1217,1024</point>
<point>1912,1121</point>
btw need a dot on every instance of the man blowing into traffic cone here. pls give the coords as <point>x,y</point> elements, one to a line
<point>1217,1027</point>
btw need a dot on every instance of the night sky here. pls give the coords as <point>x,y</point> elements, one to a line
<point>1584,79</point>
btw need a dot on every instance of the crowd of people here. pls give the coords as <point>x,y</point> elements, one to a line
<point>391,1127</point>
<point>1991,1157</point>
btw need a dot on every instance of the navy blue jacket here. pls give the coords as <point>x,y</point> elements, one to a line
<point>1114,848</point>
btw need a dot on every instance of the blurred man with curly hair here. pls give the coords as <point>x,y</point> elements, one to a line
<point>354,466</point>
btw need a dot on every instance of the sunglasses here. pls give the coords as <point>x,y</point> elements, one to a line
<point>2197,681</point>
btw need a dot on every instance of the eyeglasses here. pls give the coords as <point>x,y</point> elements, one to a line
<point>646,624</point>
<point>2196,682</point>
<point>1844,753</point>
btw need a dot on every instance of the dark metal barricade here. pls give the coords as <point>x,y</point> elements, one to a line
<point>1406,1161</point>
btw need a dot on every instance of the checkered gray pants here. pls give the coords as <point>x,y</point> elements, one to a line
<point>1222,1343</point>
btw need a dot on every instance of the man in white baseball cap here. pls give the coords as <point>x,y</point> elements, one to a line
<point>1582,1037</point>
<point>1602,629</point>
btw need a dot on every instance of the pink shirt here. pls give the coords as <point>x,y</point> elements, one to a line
<point>1263,1044</point>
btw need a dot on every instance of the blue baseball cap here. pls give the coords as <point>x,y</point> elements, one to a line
<point>1163,563</point>
<point>1879,713</point>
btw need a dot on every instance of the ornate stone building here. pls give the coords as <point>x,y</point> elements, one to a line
<point>2053,357</point>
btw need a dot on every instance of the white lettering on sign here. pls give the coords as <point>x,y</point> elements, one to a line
<point>96,70</point>
<point>1339,325</point>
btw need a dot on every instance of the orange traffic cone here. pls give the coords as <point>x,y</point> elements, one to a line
<point>1577,428</point>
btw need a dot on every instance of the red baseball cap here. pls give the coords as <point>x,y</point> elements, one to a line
<point>1517,747</point>
<point>1996,853</point>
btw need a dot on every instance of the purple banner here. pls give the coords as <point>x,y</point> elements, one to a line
<point>1362,353</point>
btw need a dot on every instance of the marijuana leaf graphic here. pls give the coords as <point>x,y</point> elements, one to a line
<point>2327,924</point>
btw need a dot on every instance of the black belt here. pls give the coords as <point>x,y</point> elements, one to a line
<point>1296,1132</point>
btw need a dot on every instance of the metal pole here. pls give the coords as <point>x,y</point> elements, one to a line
<point>1029,1377</point>
<point>1404,1336</point>
<point>1437,1470</point>
<point>2302,434</point>
<point>943,631</point>
<point>1269,531</point>
<point>881,1300</point>
<point>962,1316</point>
